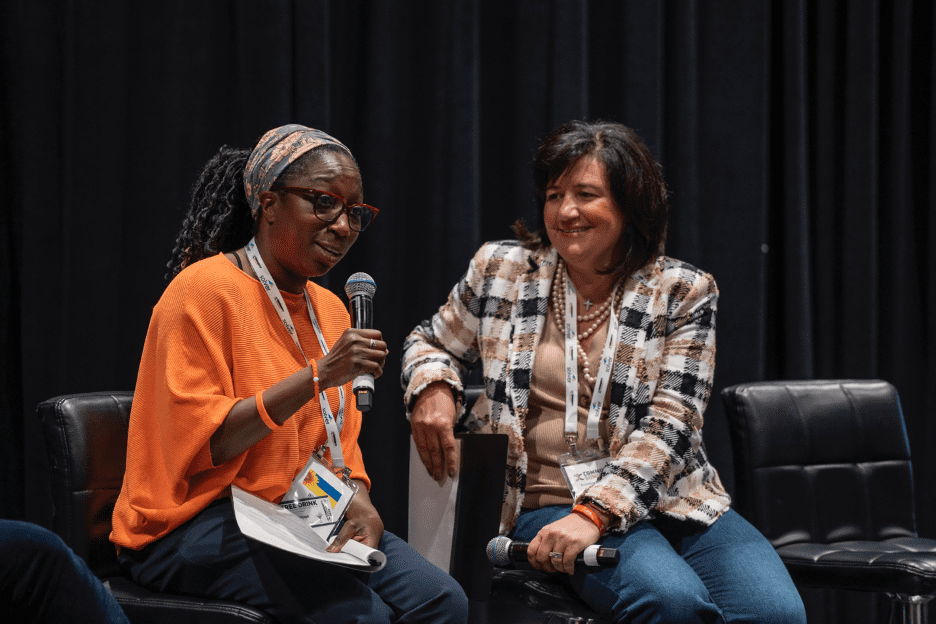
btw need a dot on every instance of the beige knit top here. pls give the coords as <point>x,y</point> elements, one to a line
<point>544,434</point>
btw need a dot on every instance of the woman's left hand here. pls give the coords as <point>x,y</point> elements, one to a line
<point>362,522</point>
<point>567,536</point>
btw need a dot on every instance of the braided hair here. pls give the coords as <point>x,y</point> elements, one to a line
<point>219,218</point>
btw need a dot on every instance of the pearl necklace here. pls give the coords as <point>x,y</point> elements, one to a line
<point>600,315</point>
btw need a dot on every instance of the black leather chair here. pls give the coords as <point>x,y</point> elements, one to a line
<point>516,595</point>
<point>86,436</point>
<point>822,469</point>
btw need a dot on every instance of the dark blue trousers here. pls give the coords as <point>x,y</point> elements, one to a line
<point>42,580</point>
<point>208,556</point>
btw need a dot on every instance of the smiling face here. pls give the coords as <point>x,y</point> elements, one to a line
<point>583,222</point>
<point>294,243</point>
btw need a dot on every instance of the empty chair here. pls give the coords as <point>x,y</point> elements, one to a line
<point>822,468</point>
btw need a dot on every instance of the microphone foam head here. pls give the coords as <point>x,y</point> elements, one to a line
<point>360,284</point>
<point>497,550</point>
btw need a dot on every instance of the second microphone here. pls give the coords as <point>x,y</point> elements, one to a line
<point>503,551</point>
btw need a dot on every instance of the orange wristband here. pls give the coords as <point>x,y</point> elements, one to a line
<point>591,515</point>
<point>261,408</point>
<point>315,378</point>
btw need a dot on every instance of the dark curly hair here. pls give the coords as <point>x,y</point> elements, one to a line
<point>219,218</point>
<point>635,178</point>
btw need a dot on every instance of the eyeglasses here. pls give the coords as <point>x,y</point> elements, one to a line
<point>328,207</point>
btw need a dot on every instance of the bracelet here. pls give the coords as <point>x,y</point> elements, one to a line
<point>264,416</point>
<point>315,378</point>
<point>591,515</point>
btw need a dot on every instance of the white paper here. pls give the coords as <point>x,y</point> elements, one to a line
<point>271,524</point>
<point>432,512</point>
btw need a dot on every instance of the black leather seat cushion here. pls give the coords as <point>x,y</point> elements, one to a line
<point>527,595</point>
<point>143,606</point>
<point>903,565</point>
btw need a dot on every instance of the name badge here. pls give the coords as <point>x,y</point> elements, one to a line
<point>319,496</point>
<point>582,469</point>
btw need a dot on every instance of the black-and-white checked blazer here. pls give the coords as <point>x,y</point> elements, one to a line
<point>660,383</point>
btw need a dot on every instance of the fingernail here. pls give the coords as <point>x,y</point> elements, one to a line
<point>452,473</point>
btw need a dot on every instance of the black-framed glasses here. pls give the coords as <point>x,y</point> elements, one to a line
<point>328,207</point>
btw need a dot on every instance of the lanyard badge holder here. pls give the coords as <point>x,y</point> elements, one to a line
<point>320,495</point>
<point>582,468</point>
<point>321,492</point>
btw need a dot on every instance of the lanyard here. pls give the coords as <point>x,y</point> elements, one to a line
<point>603,378</point>
<point>331,427</point>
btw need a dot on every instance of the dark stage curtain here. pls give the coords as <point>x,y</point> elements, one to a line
<point>796,137</point>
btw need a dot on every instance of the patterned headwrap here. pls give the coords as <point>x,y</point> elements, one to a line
<point>278,149</point>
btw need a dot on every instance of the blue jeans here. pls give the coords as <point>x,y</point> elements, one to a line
<point>42,580</point>
<point>671,571</point>
<point>208,556</point>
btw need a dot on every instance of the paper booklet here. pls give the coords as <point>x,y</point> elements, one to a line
<point>432,524</point>
<point>271,524</point>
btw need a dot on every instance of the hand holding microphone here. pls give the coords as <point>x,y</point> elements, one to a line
<point>360,289</point>
<point>503,551</point>
<point>359,353</point>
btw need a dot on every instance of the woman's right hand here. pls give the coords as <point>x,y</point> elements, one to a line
<point>352,356</point>
<point>432,422</point>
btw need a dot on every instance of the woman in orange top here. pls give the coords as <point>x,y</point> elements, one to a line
<point>227,394</point>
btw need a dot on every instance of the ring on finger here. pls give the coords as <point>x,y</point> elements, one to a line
<point>555,555</point>
<point>373,345</point>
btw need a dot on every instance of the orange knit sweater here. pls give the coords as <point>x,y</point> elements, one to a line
<point>214,339</point>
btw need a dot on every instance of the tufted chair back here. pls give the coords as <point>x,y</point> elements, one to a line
<point>86,438</point>
<point>822,469</point>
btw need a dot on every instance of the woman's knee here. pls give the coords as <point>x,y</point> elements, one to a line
<point>443,600</point>
<point>670,604</point>
<point>776,608</point>
<point>28,546</point>
<point>453,602</point>
<point>665,594</point>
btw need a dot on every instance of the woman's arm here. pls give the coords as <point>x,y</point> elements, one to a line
<point>435,356</point>
<point>667,438</point>
<point>350,357</point>
<point>432,423</point>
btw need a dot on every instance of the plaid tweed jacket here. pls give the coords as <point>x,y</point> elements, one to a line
<point>660,382</point>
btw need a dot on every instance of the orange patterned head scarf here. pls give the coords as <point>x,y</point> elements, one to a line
<point>278,149</point>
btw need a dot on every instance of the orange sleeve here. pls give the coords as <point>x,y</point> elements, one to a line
<point>184,391</point>
<point>214,340</point>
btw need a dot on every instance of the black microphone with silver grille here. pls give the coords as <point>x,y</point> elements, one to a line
<point>360,289</point>
<point>503,551</point>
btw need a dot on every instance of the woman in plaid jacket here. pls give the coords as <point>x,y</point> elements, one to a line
<point>603,409</point>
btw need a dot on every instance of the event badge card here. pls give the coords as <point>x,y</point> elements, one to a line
<point>319,496</point>
<point>581,471</point>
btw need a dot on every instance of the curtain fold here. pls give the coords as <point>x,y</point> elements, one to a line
<point>796,137</point>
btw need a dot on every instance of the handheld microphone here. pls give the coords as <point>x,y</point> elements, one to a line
<point>360,289</point>
<point>503,551</point>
